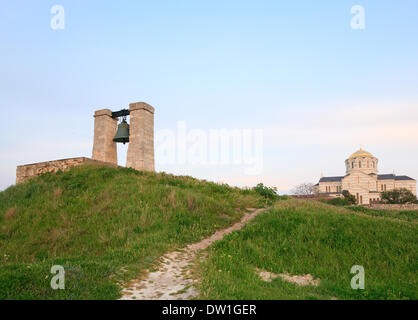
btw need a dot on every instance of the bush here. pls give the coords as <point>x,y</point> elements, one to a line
<point>266,192</point>
<point>348,200</point>
<point>339,202</point>
<point>351,199</point>
<point>399,196</point>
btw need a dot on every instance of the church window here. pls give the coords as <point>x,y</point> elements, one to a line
<point>368,164</point>
<point>359,164</point>
<point>352,165</point>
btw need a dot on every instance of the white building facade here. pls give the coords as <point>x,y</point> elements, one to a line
<point>362,180</point>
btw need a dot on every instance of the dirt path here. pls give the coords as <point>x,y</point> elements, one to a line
<point>173,279</point>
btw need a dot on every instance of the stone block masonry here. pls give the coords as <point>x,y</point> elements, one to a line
<point>141,140</point>
<point>104,149</point>
<point>401,207</point>
<point>28,171</point>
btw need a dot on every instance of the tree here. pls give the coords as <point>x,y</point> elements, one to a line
<point>266,192</point>
<point>399,196</point>
<point>303,189</point>
<point>349,197</point>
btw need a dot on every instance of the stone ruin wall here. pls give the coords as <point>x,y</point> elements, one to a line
<point>28,171</point>
<point>383,206</point>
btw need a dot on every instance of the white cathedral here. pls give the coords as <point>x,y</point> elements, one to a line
<point>362,180</point>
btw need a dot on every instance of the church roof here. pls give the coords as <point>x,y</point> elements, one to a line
<point>331,179</point>
<point>361,153</point>
<point>390,176</point>
<point>393,177</point>
<point>403,178</point>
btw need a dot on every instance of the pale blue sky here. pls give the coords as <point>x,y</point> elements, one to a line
<point>293,68</point>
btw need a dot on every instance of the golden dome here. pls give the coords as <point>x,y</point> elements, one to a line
<point>361,153</point>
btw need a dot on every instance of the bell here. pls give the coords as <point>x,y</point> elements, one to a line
<point>122,135</point>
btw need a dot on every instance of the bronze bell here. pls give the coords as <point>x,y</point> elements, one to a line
<point>122,134</point>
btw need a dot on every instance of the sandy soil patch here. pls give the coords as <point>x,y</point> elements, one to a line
<point>303,280</point>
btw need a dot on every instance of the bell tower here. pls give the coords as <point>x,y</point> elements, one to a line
<point>139,134</point>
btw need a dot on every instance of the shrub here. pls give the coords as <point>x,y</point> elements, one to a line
<point>351,199</point>
<point>336,201</point>
<point>399,196</point>
<point>266,192</point>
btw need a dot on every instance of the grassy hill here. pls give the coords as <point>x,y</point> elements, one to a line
<point>106,225</point>
<point>301,237</point>
<point>103,225</point>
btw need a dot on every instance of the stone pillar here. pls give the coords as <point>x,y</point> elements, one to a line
<point>141,137</point>
<point>104,149</point>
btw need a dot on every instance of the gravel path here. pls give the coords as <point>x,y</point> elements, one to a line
<point>173,278</point>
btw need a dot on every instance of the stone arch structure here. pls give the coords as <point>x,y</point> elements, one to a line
<point>141,139</point>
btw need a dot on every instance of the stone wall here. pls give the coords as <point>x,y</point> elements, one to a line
<point>411,185</point>
<point>140,154</point>
<point>104,149</point>
<point>28,171</point>
<point>381,206</point>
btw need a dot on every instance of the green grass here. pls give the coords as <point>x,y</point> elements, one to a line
<point>308,237</point>
<point>336,201</point>
<point>408,215</point>
<point>103,225</point>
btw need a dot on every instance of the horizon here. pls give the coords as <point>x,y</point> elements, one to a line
<point>317,88</point>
